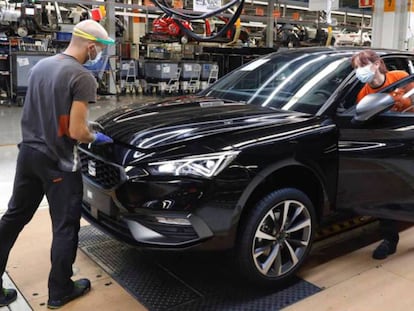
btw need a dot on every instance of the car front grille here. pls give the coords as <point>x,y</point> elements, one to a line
<point>103,173</point>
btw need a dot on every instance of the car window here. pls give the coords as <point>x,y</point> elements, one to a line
<point>310,96</point>
<point>402,93</point>
<point>286,81</point>
<point>396,64</point>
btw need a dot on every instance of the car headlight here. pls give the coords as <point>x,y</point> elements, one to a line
<point>206,165</point>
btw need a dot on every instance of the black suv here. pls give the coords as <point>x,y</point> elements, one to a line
<point>255,162</point>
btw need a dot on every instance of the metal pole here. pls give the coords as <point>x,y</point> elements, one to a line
<point>110,27</point>
<point>270,24</point>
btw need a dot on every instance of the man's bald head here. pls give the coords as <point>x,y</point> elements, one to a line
<point>87,36</point>
<point>93,28</point>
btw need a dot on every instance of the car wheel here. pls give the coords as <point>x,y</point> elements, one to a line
<point>276,236</point>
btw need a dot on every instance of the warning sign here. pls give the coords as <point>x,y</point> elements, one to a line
<point>389,5</point>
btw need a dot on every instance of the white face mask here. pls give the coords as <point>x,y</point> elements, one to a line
<point>97,58</point>
<point>365,74</point>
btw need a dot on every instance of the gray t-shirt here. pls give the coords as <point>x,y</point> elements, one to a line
<point>53,84</point>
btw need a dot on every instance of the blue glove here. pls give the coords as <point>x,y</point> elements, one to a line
<point>101,139</point>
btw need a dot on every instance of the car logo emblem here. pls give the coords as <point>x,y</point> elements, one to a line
<point>92,168</point>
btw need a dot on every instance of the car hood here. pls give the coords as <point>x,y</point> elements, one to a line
<point>172,121</point>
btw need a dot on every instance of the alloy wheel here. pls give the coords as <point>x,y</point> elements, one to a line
<point>282,238</point>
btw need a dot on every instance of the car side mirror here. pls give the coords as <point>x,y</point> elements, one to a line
<point>372,105</point>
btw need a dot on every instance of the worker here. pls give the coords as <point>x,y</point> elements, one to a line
<point>371,70</point>
<point>54,120</point>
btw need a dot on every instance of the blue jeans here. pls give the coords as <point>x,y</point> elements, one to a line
<point>37,175</point>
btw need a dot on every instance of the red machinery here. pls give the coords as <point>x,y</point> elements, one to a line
<point>165,25</point>
<point>168,24</point>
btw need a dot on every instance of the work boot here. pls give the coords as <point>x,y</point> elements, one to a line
<point>80,288</point>
<point>384,249</point>
<point>7,296</point>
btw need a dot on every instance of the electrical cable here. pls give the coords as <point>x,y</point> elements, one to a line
<point>170,12</point>
<point>174,14</point>
<point>219,34</point>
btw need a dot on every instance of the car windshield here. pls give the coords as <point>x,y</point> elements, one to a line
<point>288,81</point>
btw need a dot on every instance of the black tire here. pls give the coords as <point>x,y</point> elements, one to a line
<point>268,254</point>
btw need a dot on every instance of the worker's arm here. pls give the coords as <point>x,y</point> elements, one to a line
<point>78,126</point>
<point>78,123</point>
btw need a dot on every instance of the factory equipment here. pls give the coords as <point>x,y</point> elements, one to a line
<point>20,64</point>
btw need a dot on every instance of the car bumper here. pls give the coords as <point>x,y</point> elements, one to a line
<point>153,228</point>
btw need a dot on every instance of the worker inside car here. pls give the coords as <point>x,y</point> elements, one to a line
<point>371,70</point>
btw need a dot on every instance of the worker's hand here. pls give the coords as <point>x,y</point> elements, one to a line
<point>400,103</point>
<point>101,139</point>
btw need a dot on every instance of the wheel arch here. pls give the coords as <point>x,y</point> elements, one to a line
<point>286,174</point>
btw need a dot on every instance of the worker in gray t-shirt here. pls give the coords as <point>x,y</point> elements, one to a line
<point>46,113</point>
<point>54,120</point>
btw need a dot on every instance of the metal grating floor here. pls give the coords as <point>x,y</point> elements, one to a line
<point>184,281</point>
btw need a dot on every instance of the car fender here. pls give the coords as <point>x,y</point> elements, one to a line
<point>261,177</point>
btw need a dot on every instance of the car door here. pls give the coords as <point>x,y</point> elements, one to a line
<point>376,163</point>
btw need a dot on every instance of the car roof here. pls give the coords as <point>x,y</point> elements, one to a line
<point>339,50</point>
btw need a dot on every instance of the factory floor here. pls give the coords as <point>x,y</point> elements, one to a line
<point>341,267</point>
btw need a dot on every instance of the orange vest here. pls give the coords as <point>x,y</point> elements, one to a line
<point>390,78</point>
